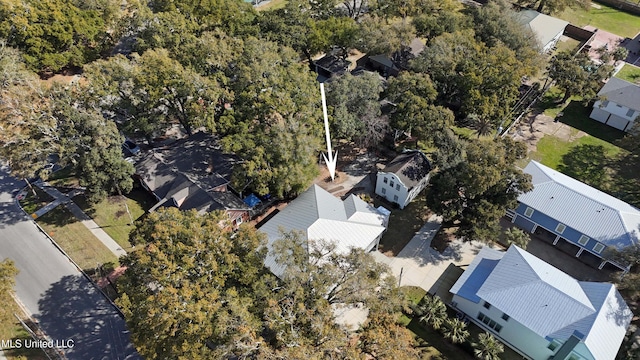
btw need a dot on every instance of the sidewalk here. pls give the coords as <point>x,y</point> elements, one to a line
<point>64,199</point>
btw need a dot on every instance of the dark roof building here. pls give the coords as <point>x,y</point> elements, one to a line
<point>403,178</point>
<point>192,173</point>
<point>330,65</point>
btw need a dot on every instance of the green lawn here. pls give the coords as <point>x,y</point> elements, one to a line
<point>111,214</point>
<point>403,223</point>
<point>629,73</point>
<point>271,5</point>
<point>605,18</point>
<point>594,158</point>
<point>76,240</point>
<point>64,178</point>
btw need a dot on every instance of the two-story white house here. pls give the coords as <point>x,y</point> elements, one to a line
<point>403,178</point>
<point>618,105</point>
<point>538,310</point>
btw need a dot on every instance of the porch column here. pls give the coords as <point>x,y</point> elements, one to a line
<point>579,252</point>
<point>533,230</point>
<point>555,241</point>
<point>513,219</point>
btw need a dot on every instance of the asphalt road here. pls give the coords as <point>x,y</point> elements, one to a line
<point>66,305</point>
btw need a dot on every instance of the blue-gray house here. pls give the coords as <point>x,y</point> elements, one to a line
<point>575,217</point>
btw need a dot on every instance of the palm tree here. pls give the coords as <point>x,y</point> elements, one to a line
<point>455,330</point>
<point>487,347</point>
<point>432,311</point>
<point>481,124</point>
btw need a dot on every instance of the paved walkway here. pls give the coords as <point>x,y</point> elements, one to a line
<point>65,199</point>
<point>420,265</point>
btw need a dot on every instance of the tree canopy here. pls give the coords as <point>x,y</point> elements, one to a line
<point>577,74</point>
<point>53,34</point>
<point>354,108</point>
<point>194,289</point>
<point>475,194</point>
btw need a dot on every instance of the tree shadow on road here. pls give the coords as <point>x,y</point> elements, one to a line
<point>72,309</point>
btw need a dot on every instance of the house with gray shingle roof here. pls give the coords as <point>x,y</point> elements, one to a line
<point>192,173</point>
<point>538,310</point>
<point>575,217</point>
<point>618,104</point>
<point>318,215</point>
<point>403,178</point>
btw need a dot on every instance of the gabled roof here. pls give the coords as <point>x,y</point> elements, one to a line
<point>547,301</point>
<point>320,215</point>
<point>410,167</point>
<point>191,172</point>
<point>545,27</point>
<point>621,92</point>
<point>581,207</point>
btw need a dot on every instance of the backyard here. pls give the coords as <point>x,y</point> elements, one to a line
<point>629,73</point>
<point>580,147</point>
<point>403,224</point>
<point>605,18</point>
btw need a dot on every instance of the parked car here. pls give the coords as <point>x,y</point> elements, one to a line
<point>129,148</point>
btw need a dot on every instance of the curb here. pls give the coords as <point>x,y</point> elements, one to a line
<point>68,257</point>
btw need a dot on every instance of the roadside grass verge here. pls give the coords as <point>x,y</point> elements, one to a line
<point>76,240</point>
<point>403,223</point>
<point>11,329</point>
<point>112,217</point>
<point>605,18</point>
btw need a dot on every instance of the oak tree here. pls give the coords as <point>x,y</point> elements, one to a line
<point>476,193</point>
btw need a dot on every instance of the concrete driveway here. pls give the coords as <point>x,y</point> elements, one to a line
<point>420,265</point>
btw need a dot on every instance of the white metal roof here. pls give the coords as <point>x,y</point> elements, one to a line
<point>581,207</point>
<point>320,215</point>
<point>553,299</point>
<point>551,303</point>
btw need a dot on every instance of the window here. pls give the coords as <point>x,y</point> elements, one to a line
<point>486,305</point>
<point>604,104</point>
<point>618,105</point>
<point>384,191</point>
<point>553,345</point>
<point>398,187</point>
<point>239,220</point>
<point>385,180</point>
<point>505,317</point>
<point>630,113</point>
<point>528,212</point>
<point>598,248</point>
<point>583,240</point>
<point>490,323</point>
<point>392,183</point>
<point>395,198</point>
<point>560,228</point>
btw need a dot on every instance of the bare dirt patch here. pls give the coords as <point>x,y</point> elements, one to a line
<point>534,127</point>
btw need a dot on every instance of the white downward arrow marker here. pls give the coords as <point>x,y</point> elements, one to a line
<point>330,159</point>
